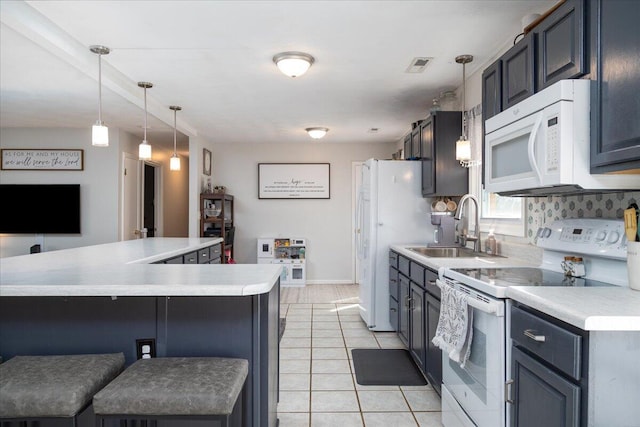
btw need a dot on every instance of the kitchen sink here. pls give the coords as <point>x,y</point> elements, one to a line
<point>449,252</point>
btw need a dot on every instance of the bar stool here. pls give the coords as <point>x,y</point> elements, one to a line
<point>40,388</point>
<point>176,388</point>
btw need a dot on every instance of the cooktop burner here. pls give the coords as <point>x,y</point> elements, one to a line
<point>521,276</point>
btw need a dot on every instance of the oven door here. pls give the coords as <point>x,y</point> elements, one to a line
<point>478,388</point>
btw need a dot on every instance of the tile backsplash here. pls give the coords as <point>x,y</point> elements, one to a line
<point>543,210</point>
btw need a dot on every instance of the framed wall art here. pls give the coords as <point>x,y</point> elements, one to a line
<point>43,160</point>
<point>294,181</point>
<point>206,166</point>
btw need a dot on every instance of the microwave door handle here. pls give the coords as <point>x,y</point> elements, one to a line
<point>532,147</point>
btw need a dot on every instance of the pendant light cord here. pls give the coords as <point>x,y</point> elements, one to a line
<point>174,131</point>
<point>145,114</point>
<point>100,88</point>
<point>464,103</point>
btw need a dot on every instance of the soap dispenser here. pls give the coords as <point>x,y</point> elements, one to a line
<point>491,245</point>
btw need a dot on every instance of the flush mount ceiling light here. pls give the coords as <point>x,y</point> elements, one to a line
<point>463,145</point>
<point>174,163</point>
<point>293,64</point>
<point>317,133</point>
<point>144,149</point>
<point>99,132</point>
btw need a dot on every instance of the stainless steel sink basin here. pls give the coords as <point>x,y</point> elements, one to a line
<point>448,252</point>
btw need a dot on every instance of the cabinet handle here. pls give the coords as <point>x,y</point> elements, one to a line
<point>432,282</point>
<point>530,333</point>
<point>393,309</point>
<point>507,392</point>
<point>407,302</point>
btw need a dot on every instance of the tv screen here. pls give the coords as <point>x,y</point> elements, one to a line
<point>40,208</point>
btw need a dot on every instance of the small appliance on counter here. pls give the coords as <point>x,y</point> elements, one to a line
<point>445,233</point>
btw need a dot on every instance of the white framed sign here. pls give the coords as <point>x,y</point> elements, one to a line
<point>44,160</point>
<point>294,181</point>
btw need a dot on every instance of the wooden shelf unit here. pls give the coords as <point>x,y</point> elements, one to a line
<point>221,225</point>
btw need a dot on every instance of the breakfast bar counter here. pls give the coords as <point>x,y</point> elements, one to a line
<point>118,296</point>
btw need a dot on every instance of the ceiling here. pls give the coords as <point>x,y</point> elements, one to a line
<point>214,58</point>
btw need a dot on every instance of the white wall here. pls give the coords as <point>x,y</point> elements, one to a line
<point>325,223</point>
<point>99,186</point>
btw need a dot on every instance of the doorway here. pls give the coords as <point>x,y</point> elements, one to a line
<point>149,200</point>
<point>141,199</point>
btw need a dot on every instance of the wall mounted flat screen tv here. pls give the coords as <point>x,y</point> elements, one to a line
<point>40,208</point>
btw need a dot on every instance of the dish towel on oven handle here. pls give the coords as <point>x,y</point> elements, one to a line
<point>455,325</point>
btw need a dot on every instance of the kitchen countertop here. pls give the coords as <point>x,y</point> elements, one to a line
<point>125,269</point>
<point>591,309</point>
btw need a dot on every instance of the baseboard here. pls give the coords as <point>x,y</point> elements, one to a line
<point>330,282</point>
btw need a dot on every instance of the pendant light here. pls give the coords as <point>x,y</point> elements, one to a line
<point>293,64</point>
<point>174,163</point>
<point>463,145</point>
<point>144,149</point>
<point>99,132</point>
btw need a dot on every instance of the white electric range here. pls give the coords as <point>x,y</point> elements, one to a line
<point>474,395</point>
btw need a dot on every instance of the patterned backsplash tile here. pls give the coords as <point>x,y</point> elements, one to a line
<point>543,210</point>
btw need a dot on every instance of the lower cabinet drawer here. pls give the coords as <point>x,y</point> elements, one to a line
<point>191,258</point>
<point>393,283</point>
<point>203,256</point>
<point>559,346</point>
<point>175,260</point>
<point>403,265</point>
<point>215,251</point>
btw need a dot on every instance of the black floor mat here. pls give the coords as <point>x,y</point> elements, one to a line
<point>386,367</point>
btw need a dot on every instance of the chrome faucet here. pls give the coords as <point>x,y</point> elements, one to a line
<point>465,237</point>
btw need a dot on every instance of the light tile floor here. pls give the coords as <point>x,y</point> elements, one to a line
<point>317,380</point>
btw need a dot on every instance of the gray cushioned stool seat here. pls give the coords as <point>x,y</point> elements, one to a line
<point>54,386</point>
<point>174,386</point>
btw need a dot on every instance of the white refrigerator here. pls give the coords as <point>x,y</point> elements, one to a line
<point>390,210</point>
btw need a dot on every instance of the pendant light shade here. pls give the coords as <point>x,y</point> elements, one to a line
<point>293,64</point>
<point>99,132</point>
<point>317,133</point>
<point>144,149</point>
<point>463,145</point>
<point>174,163</point>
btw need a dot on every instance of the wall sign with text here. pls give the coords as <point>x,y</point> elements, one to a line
<point>293,181</point>
<point>44,160</point>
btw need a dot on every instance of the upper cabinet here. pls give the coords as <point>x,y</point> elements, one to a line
<point>561,44</point>
<point>412,148</point>
<point>615,94</point>
<point>442,174</point>
<point>491,90</point>
<point>595,39</point>
<point>518,72</point>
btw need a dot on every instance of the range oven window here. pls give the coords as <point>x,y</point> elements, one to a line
<point>474,373</point>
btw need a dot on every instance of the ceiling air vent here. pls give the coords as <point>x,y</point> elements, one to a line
<point>418,64</point>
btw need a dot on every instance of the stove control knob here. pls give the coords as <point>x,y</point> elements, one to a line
<point>547,232</point>
<point>613,237</point>
<point>601,235</point>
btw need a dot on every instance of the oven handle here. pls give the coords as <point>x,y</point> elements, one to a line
<point>490,306</point>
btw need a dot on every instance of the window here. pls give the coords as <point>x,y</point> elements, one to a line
<point>502,215</point>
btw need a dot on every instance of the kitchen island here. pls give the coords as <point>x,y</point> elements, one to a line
<point>114,297</point>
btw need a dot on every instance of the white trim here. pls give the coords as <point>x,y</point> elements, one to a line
<point>330,282</point>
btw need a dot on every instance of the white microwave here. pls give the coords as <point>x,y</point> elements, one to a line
<point>541,146</point>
